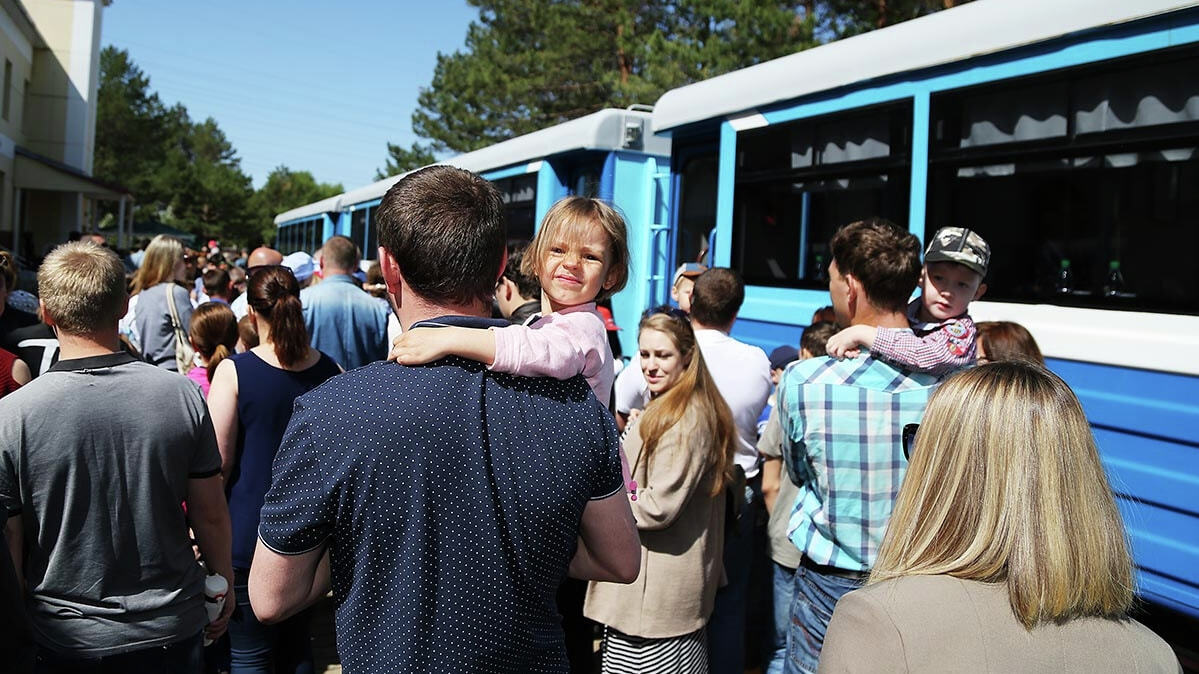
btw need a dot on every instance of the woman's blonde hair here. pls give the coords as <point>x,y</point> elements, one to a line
<point>565,220</point>
<point>694,390</point>
<point>1005,485</point>
<point>158,265</point>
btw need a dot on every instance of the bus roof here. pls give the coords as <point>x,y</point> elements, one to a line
<point>603,130</point>
<point>970,30</point>
<point>328,205</point>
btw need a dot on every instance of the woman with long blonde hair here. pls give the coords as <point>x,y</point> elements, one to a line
<point>1005,548</point>
<point>681,452</point>
<point>150,324</point>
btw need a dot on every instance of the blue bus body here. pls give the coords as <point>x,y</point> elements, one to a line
<point>1064,132</point>
<point>609,154</point>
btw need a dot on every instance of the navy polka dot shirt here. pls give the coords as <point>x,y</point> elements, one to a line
<point>450,498</point>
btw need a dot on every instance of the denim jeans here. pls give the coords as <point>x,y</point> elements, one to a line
<point>726,627</point>
<point>255,648</point>
<point>784,589</point>
<point>815,596</point>
<point>185,657</point>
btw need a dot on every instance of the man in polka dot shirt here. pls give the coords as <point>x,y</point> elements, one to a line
<point>445,503</point>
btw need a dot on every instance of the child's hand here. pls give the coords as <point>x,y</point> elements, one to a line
<point>418,346</point>
<point>845,344</point>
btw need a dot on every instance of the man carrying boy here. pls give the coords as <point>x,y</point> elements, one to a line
<point>943,337</point>
<point>842,428</point>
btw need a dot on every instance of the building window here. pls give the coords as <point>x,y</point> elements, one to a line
<point>798,182</point>
<point>7,89</point>
<point>1085,182</point>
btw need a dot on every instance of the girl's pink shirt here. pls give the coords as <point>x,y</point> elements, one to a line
<point>559,345</point>
<point>199,375</point>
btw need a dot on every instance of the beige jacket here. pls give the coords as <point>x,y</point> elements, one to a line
<point>944,624</point>
<point>682,537</point>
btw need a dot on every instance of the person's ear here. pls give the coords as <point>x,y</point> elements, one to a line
<point>982,290</point>
<point>611,280</point>
<point>853,292</point>
<point>49,320</point>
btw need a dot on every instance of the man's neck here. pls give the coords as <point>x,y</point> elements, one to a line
<point>71,347</point>
<point>870,315</point>
<point>414,309</point>
<point>726,329</point>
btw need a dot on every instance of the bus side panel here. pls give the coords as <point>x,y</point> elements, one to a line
<point>1147,428</point>
<point>636,194</point>
<point>767,335</point>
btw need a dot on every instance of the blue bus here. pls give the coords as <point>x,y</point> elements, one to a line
<point>1064,132</point>
<point>609,154</point>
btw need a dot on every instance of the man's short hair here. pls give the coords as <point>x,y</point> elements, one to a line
<point>446,229</point>
<point>216,283</point>
<point>717,297</point>
<point>83,287</point>
<point>339,252</point>
<point>883,257</point>
<point>528,286</point>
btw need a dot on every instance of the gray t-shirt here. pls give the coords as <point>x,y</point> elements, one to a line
<point>96,455</point>
<point>153,319</point>
<point>770,445</point>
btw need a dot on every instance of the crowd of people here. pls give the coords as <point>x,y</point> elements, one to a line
<point>448,443</point>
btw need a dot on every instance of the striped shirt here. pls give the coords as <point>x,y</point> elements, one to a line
<point>842,424</point>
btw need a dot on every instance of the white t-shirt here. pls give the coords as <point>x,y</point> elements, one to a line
<point>742,375</point>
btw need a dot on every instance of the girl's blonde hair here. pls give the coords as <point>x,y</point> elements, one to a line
<point>694,390</point>
<point>1005,485</point>
<point>159,263</point>
<point>572,215</point>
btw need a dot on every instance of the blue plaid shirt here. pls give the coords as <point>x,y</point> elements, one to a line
<point>842,424</point>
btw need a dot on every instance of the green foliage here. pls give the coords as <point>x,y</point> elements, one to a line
<point>530,64</point>
<point>284,190</point>
<point>400,160</point>
<point>182,173</point>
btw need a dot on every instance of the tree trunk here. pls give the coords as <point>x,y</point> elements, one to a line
<point>882,13</point>
<point>622,59</point>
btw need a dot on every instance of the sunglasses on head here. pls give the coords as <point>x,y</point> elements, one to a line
<point>673,312</point>
<point>909,439</point>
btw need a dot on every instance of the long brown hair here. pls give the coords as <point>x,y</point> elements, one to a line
<point>694,390</point>
<point>274,294</point>
<point>1006,486</point>
<point>213,332</point>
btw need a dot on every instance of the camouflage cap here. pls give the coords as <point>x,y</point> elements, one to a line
<point>960,245</point>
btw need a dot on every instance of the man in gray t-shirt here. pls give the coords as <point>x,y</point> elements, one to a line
<point>97,458</point>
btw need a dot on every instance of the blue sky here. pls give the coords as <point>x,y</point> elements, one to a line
<point>315,86</point>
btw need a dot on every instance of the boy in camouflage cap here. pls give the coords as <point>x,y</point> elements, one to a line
<point>942,336</point>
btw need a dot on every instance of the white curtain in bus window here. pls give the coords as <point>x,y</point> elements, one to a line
<point>1075,179</point>
<point>1141,97</point>
<point>798,182</point>
<point>1038,113</point>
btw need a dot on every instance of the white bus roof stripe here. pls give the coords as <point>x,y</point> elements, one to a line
<point>974,29</point>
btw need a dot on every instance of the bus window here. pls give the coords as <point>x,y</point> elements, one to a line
<point>520,204</point>
<point>358,226</point>
<point>697,207</point>
<point>798,182</point>
<point>371,251</point>
<point>1085,182</point>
